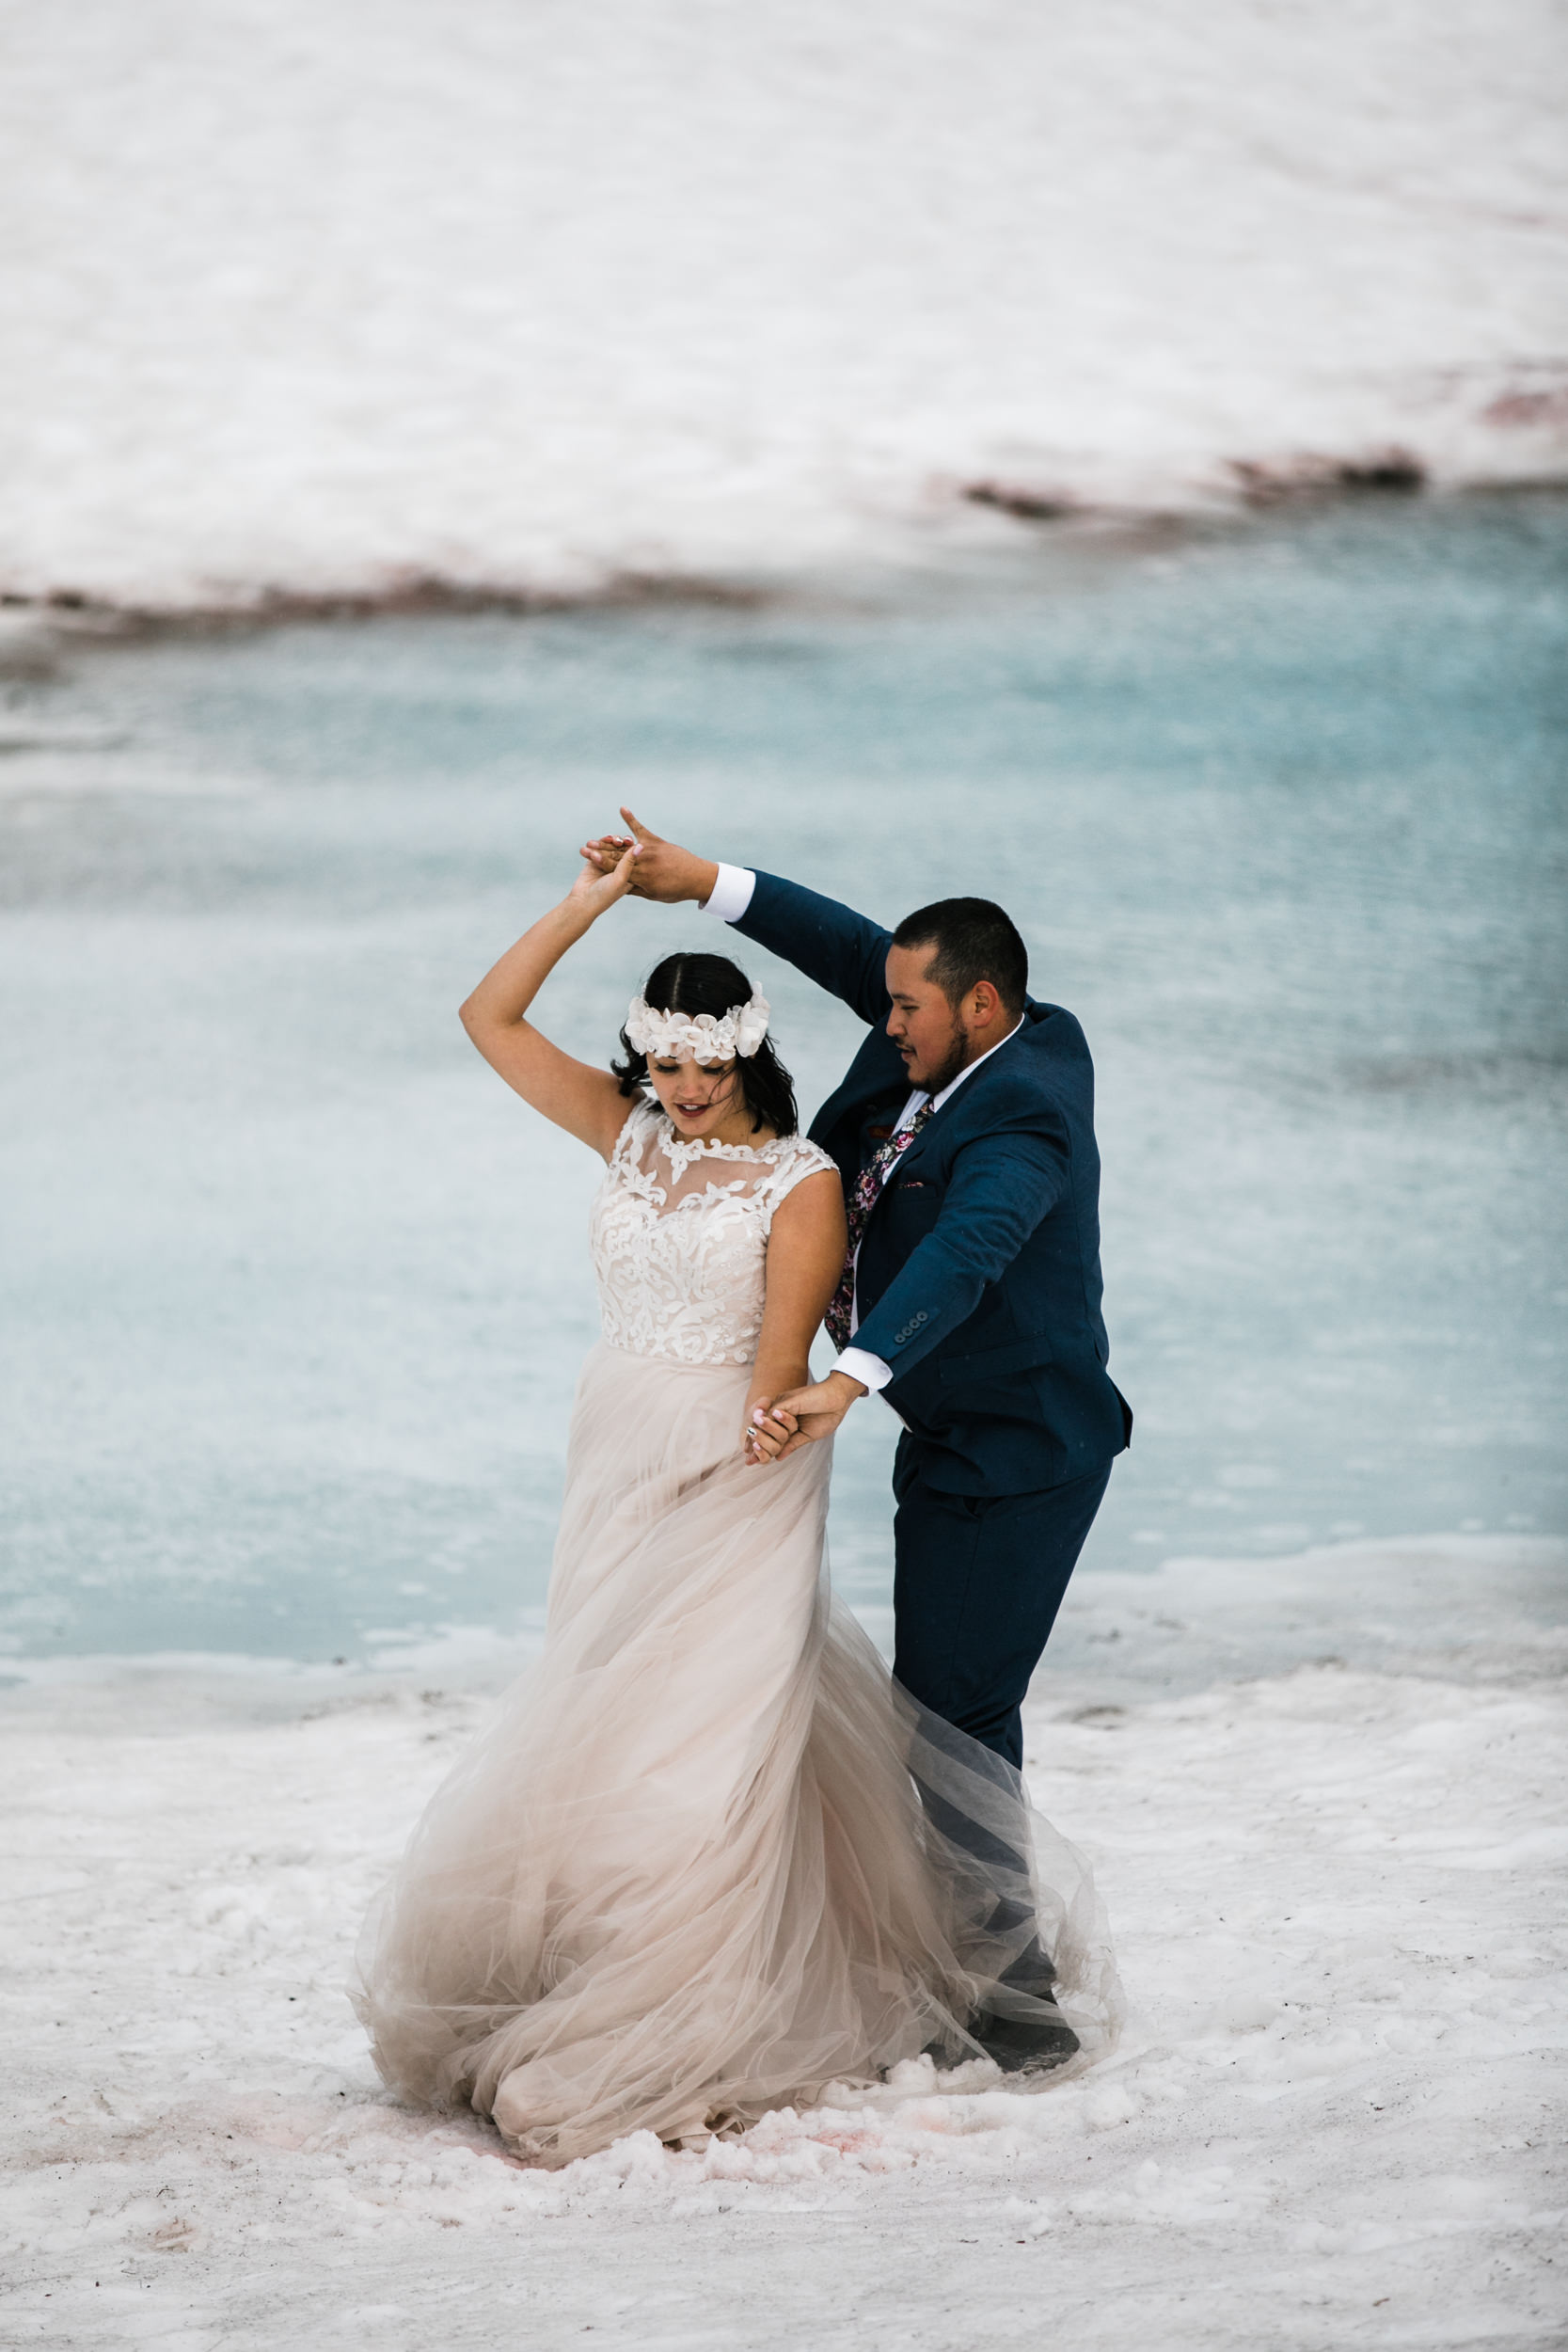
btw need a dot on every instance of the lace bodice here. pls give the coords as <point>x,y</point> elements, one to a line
<point>679,1233</point>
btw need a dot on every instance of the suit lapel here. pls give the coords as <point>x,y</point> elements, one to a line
<point>958,1107</point>
<point>905,1161</point>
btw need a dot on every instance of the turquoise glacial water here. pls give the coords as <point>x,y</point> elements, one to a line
<point>294,1291</point>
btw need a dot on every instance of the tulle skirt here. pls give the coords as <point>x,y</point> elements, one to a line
<point>706,1857</point>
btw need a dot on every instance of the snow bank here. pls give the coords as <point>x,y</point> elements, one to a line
<point>1333,2121</point>
<point>328,297</point>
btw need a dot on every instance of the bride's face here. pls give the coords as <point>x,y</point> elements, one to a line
<point>701,1099</point>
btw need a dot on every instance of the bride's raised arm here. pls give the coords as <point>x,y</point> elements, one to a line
<point>588,1103</point>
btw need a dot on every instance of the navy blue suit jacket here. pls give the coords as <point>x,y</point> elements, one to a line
<point>979,1282</point>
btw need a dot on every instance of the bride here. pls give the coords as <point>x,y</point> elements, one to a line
<point>707,1859</point>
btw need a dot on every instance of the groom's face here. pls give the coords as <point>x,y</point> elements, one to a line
<point>924,1023</point>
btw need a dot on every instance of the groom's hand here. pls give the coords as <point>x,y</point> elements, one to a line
<point>664,870</point>
<point>803,1416</point>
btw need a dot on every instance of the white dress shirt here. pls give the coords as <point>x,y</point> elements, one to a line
<point>732,894</point>
<point>730,897</point>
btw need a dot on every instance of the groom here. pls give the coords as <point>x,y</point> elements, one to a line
<point>964,1133</point>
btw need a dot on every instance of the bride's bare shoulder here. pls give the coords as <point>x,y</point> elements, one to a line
<point>640,1117</point>
<point>802,1159</point>
<point>807,1190</point>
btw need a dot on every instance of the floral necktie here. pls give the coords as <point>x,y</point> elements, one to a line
<point>868,1186</point>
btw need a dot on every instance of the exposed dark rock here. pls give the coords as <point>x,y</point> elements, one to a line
<point>1271,482</point>
<point>1028,506</point>
<point>415,593</point>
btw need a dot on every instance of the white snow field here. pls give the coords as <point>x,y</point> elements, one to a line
<point>315,295</point>
<point>1335,2119</point>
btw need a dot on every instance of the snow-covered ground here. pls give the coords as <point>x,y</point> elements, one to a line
<point>312,293</point>
<point>1335,2119</point>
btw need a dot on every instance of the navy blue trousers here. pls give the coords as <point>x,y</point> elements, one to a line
<point>977,1581</point>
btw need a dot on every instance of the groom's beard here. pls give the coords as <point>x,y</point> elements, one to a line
<point>955,1059</point>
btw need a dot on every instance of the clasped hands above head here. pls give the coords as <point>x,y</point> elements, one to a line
<point>661,869</point>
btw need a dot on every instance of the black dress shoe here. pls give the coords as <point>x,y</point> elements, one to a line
<point>1026,2045</point>
<point>1033,1972</point>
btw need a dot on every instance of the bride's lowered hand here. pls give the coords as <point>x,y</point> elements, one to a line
<point>761,1441</point>
<point>801,1417</point>
<point>588,1103</point>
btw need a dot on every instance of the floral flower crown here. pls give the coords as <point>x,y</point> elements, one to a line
<point>696,1037</point>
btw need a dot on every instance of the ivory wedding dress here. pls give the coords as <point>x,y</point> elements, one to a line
<point>685,1874</point>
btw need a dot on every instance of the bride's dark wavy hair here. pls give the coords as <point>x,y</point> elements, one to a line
<point>703,983</point>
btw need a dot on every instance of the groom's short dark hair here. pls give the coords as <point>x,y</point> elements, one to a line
<point>975,940</point>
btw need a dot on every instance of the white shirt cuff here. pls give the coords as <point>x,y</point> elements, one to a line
<point>869,1371</point>
<point>730,894</point>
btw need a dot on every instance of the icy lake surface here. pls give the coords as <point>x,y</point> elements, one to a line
<point>294,1292</point>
